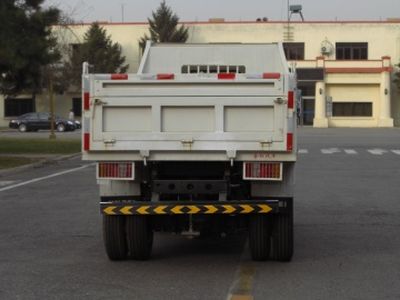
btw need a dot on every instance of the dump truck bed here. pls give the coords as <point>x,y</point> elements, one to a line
<point>193,114</point>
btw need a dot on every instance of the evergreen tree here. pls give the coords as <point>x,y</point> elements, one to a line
<point>102,54</point>
<point>27,44</point>
<point>164,27</point>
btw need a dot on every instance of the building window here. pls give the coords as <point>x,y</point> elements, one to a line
<point>14,107</point>
<point>294,51</point>
<point>352,109</point>
<point>77,106</point>
<point>351,51</point>
<point>196,69</point>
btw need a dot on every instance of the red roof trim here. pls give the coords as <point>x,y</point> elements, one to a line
<point>356,70</point>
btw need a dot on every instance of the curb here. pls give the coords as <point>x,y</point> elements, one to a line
<point>38,164</point>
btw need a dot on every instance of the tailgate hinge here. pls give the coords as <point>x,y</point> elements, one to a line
<point>266,143</point>
<point>280,101</point>
<point>187,143</point>
<point>109,141</point>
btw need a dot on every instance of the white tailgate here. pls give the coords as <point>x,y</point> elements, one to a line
<point>136,115</point>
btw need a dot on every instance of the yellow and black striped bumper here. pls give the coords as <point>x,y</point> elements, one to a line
<point>192,208</point>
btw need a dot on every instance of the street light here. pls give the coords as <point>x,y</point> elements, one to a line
<point>296,9</point>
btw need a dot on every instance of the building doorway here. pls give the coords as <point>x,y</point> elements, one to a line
<point>308,109</point>
<point>307,79</point>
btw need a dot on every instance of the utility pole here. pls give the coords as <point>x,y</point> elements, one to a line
<point>122,11</point>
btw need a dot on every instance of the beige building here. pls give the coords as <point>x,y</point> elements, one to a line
<point>345,69</point>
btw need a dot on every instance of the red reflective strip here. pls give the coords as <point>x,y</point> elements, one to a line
<point>226,75</point>
<point>86,101</point>
<point>271,75</point>
<point>115,170</point>
<point>289,142</point>
<point>86,141</point>
<point>290,101</point>
<point>119,76</point>
<point>165,76</point>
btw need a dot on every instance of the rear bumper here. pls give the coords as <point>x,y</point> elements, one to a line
<point>192,208</point>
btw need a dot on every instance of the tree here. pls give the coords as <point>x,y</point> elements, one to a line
<point>27,44</point>
<point>102,54</point>
<point>164,27</point>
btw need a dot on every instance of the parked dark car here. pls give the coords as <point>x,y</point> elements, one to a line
<point>78,124</point>
<point>41,120</point>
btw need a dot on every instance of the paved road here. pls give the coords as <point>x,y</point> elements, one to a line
<point>347,240</point>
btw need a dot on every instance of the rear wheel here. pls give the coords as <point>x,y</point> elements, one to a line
<point>139,236</point>
<point>282,235</point>
<point>22,128</point>
<point>260,236</point>
<point>115,237</point>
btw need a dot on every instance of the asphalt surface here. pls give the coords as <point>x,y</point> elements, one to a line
<point>347,234</point>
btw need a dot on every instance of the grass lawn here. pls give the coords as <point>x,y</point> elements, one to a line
<point>38,146</point>
<point>12,162</point>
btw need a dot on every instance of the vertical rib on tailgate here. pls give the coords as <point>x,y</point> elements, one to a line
<point>151,115</point>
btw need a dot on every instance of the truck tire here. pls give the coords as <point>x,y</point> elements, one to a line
<point>260,237</point>
<point>115,237</point>
<point>139,236</point>
<point>282,236</point>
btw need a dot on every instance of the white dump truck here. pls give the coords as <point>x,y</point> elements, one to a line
<point>201,140</point>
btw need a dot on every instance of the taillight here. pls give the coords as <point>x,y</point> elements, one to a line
<point>116,170</point>
<point>262,171</point>
<point>271,75</point>
<point>166,76</point>
<point>226,76</point>
<point>119,76</point>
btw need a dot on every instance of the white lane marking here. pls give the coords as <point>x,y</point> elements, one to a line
<point>6,182</point>
<point>330,151</point>
<point>396,152</point>
<point>303,151</point>
<point>45,177</point>
<point>377,151</point>
<point>350,151</point>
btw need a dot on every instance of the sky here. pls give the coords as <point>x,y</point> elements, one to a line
<point>231,10</point>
